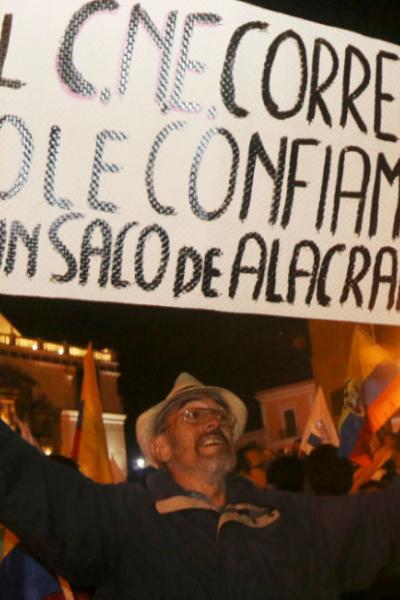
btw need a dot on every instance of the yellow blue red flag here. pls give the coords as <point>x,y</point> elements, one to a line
<point>371,396</point>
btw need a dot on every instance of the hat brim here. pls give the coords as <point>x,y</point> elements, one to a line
<point>145,424</point>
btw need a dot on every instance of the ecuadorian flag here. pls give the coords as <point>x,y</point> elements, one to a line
<point>90,443</point>
<point>371,396</point>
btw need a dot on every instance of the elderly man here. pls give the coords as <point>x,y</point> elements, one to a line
<point>191,436</point>
<point>194,531</point>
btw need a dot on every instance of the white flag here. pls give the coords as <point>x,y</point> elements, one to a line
<point>320,428</point>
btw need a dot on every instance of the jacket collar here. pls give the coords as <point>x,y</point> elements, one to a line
<point>161,486</point>
<point>246,504</point>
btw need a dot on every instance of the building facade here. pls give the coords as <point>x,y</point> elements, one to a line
<point>40,382</point>
<point>284,412</point>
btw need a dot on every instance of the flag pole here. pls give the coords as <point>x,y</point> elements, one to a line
<point>373,332</point>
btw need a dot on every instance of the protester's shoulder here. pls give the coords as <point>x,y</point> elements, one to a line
<point>242,490</point>
<point>306,504</point>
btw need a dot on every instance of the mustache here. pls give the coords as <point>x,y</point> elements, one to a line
<point>214,433</point>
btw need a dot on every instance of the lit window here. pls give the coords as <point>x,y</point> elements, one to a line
<point>75,351</point>
<point>25,342</point>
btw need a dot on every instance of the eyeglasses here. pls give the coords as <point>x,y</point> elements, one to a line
<point>197,416</point>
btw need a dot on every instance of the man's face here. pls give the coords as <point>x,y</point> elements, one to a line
<point>202,444</point>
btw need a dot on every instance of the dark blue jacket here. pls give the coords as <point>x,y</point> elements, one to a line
<point>160,542</point>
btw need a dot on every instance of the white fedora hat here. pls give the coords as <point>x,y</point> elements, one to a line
<point>185,383</point>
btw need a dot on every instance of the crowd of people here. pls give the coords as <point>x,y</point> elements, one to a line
<point>198,527</point>
<point>323,471</point>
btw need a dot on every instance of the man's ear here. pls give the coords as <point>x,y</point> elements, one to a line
<point>160,448</point>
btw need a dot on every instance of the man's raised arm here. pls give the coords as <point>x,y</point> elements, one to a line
<point>55,511</point>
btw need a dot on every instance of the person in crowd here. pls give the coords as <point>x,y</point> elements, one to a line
<point>252,463</point>
<point>326,473</point>
<point>286,473</point>
<point>295,449</point>
<point>195,530</point>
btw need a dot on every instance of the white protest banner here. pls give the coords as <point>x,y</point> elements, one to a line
<point>198,154</point>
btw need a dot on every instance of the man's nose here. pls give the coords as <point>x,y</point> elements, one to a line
<point>213,421</point>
